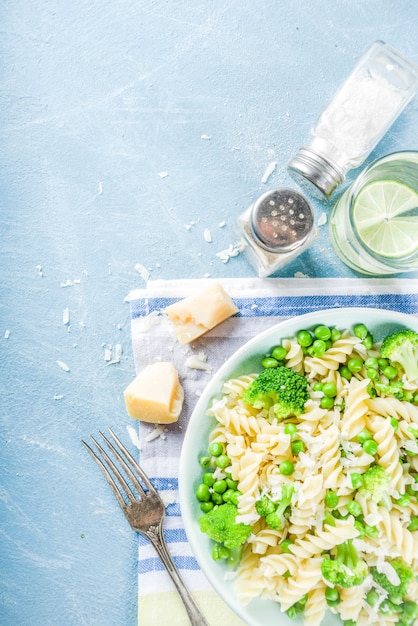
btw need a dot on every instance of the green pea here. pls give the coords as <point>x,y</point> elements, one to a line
<point>372,597</point>
<point>318,348</point>
<point>345,372</point>
<point>390,372</point>
<point>279,353</point>
<point>360,330</point>
<point>382,363</point>
<point>330,389</point>
<point>394,423</point>
<point>217,498</point>
<point>286,468</point>
<point>232,484</point>
<point>404,500</point>
<point>372,373</point>
<point>317,386</point>
<point>235,497</point>
<point>269,362</point>
<point>356,480</point>
<point>409,610</point>
<point>208,479</point>
<point>215,448</point>
<point>205,462</point>
<point>220,486</point>
<point>359,526</point>
<point>290,429</point>
<point>415,399</point>
<point>355,364</point>
<point>326,403</point>
<point>297,446</point>
<point>364,435</point>
<point>370,447</point>
<point>354,508</point>
<point>368,342</point>
<point>335,334</point>
<point>332,596</point>
<point>285,545</point>
<point>304,338</point>
<point>322,332</point>
<point>372,361</point>
<point>203,493</point>
<point>223,461</point>
<point>227,495</point>
<point>205,507</point>
<point>413,524</point>
<point>371,531</point>
<point>219,552</point>
<point>331,499</point>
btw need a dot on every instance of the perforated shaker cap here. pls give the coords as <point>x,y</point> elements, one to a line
<point>281,220</point>
<point>314,174</point>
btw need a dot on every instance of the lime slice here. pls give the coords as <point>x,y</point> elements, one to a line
<point>385,215</point>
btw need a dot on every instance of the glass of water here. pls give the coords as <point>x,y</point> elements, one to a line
<point>374,225</point>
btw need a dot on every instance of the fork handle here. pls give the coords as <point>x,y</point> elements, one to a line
<point>195,615</point>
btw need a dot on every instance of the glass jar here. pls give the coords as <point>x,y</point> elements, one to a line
<point>374,225</point>
<point>361,111</point>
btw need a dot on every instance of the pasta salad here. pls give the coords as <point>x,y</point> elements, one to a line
<point>309,487</point>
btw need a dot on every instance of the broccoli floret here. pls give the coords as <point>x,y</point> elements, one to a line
<point>265,506</point>
<point>220,525</point>
<point>281,388</point>
<point>274,511</point>
<point>347,569</point>
<point>396,593</point>
<point>394,389</point>
<point>376,482</point>
<point>402,348</point>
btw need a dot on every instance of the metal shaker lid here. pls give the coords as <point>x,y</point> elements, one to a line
<point>314,174</point>
<point>281,220</point>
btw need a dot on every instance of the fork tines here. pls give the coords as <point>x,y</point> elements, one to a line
<point>133,471</point>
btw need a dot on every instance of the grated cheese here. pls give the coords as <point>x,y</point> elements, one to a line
<point>269,171</point>
<point>207,235</point>
<point>63,366</point>
<point>142,271</point>
<point>66,316</point>
<point>198,362</point>
<point>154,434</point>
<point>133,435</point>
<point>323,219</point>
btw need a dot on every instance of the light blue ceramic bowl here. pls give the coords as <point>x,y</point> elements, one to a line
<point>244,361</point>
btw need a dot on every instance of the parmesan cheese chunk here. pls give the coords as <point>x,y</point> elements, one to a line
<point>195,315</point>
<point>155,395</point>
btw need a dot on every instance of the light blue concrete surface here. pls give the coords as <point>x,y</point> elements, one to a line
<point>98,99</point>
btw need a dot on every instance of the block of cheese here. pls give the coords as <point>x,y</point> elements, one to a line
<point>195,315</point>
<point>155,395</point>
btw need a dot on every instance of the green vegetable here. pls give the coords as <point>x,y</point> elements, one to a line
<point>279,388</point>
<point>408,613</point>
<point>393,388</point>
<point>396,593</point>
<point>274,510</point>
<point>220,525</point>
<point>347,569</point>
<point>376,482</point>
<point>401,348</point>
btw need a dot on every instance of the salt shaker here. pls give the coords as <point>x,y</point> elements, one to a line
<point>361,111</point>
<point>275,229</point>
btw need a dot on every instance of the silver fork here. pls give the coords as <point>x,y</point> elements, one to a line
<point>144,510</point>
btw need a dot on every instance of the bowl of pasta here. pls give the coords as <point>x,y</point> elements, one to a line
<point>298,475</point>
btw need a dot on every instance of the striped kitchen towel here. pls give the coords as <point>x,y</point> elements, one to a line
<point>261,303</point>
